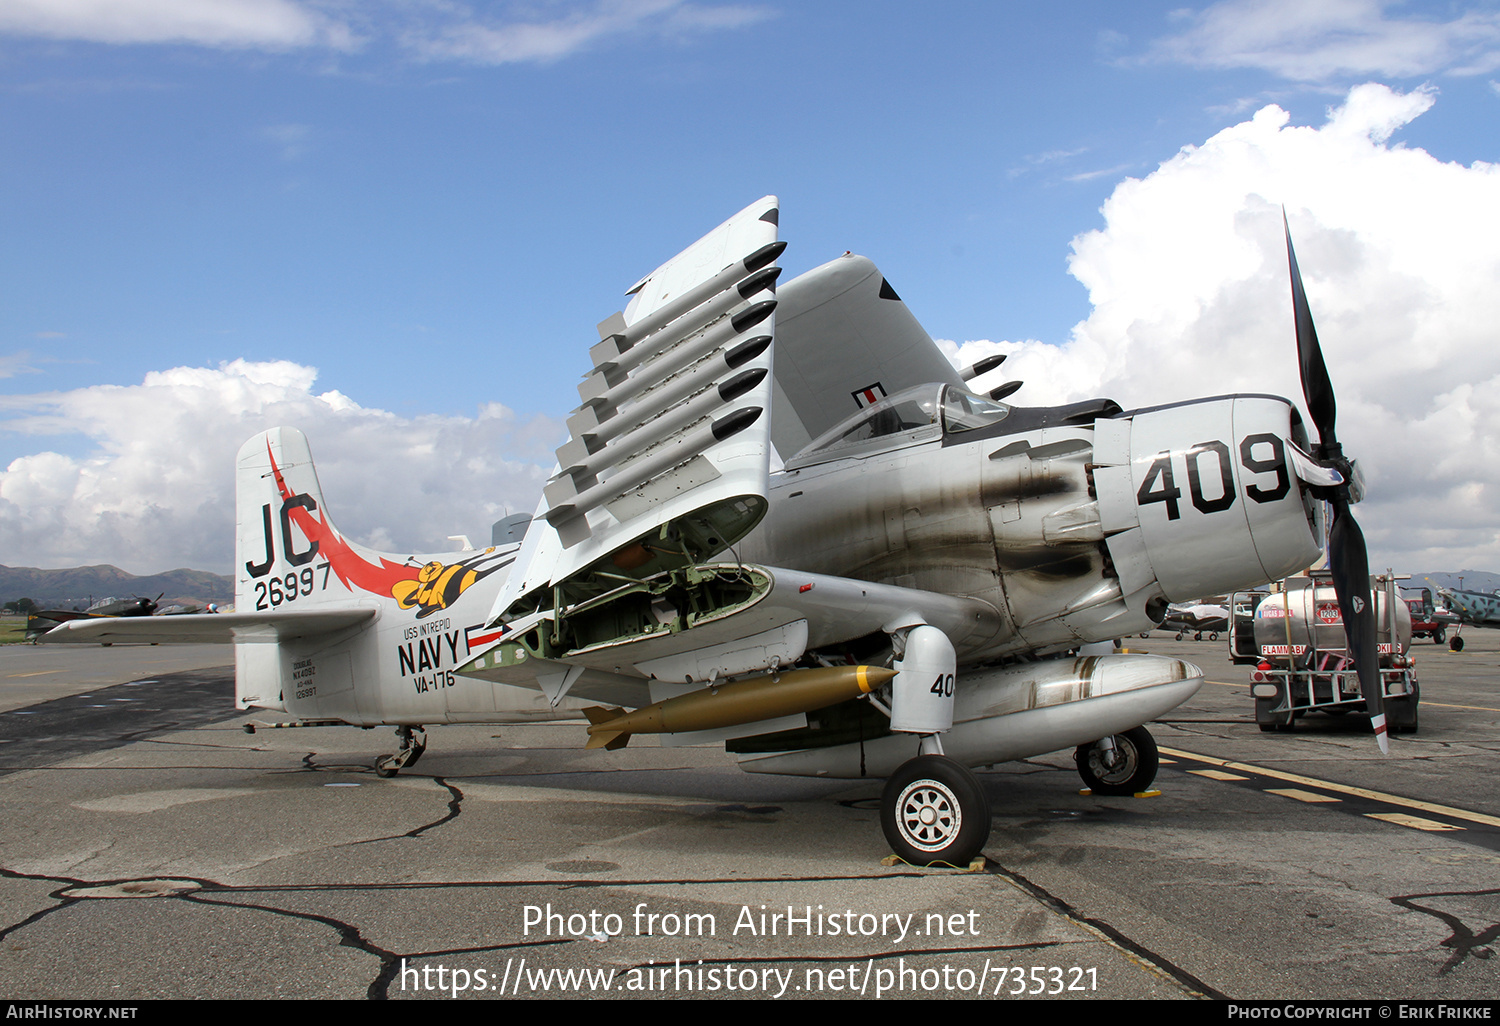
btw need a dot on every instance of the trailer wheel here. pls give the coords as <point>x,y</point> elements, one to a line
<point>934,811</point>
<point>1134,768</point>
<point>1271,722</point>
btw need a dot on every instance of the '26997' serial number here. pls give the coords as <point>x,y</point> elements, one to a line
<point>276,591</point>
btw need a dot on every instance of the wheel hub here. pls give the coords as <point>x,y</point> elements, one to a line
<point>1120,768</point>
<point>928,815</point>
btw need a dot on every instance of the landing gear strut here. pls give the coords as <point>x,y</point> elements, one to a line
<point>1124,764</point>
<point>934,812</point>
<point>413,744</point>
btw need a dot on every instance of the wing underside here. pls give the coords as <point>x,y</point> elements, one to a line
<point>720,620</point>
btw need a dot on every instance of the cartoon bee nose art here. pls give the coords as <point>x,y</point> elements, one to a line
<point>437,585</point>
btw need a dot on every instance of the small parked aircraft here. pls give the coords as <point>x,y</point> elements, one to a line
<point>1196,618</point>
<point>1470,608</point>
<point>917,591</point>
<point>44,620</point>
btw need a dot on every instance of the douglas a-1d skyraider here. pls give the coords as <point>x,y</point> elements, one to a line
<point>906,598</point>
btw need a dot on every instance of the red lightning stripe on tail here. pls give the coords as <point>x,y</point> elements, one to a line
<point>349,566</point>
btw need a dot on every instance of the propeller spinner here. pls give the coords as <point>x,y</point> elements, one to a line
<point>1347,558</point>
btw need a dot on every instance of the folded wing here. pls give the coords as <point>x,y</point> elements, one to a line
<point>844,339</point>
<point>667,460</point>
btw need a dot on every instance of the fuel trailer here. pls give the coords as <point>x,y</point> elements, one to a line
<point>1304,664</point>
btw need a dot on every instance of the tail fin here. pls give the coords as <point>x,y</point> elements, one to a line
<point>281,524</point>
<point>286,547</point>
<point>288,551</point>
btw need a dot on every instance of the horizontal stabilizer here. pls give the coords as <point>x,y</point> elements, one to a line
<point>209,628</point>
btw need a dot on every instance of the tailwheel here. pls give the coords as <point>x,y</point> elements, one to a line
<point>1121,765</point>
<point>413,744</point>
<point>934,812</point>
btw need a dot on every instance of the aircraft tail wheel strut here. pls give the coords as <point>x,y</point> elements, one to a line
<point>413,744</point>
<point>934,812</point>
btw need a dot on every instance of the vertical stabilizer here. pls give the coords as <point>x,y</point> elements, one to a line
<point>288,554</point>
<point>281,525</point>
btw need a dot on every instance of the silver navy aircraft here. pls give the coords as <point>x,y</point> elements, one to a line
<point>921,588</point>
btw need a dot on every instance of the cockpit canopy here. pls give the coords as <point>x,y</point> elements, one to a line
<point>918,414</point>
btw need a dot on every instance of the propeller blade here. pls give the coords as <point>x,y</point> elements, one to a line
<point>1351,581</point>
<point>1317,388</point>
<point>1348,559</point>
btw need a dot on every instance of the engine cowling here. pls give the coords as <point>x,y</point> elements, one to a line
<point>1203,498</point>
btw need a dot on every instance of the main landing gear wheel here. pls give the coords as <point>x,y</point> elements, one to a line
<point>413,744</point>
<point>934,812</point>
<point>1128,770</point>
<point>1456,643</point>
<point>1439,636</point>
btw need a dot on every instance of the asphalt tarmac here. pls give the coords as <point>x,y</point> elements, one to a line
<point>150,848</point>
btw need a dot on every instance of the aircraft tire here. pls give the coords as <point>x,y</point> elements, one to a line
<point>1439,636</point>
<point>1134,774</point>
<point>1456,643</point>
<point>934,812</point>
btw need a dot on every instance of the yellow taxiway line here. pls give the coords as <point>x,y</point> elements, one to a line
<point>1326,785</point>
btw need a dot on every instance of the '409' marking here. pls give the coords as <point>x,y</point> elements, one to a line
<point>272,593</point>
<point>1202,460</point>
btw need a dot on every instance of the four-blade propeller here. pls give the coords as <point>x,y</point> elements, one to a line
<point>1347,559</point>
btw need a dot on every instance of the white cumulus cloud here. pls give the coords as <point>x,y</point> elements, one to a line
<point>157,492</point>
<point>1399,252</point>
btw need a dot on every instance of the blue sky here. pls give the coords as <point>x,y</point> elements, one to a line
<point>432,203</point>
